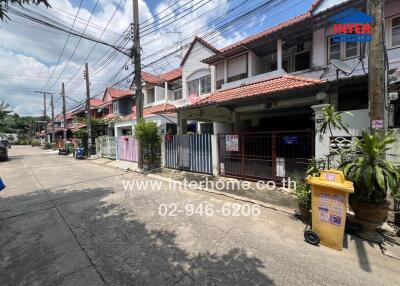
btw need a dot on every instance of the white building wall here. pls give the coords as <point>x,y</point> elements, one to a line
<point>193,64</point>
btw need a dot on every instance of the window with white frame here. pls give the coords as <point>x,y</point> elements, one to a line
<point>199,86</point>
<point>394,25</point>
<point>342,50</point>
<point>177,94</point>
<point>115,107</point>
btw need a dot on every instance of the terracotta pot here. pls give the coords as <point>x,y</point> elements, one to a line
<point>304,213</point>
<point>370,217</point>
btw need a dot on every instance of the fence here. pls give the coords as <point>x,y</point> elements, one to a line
<point>106,147</point>
<point>265,155</point>
<point>189,153</point>
<point>127,148</point>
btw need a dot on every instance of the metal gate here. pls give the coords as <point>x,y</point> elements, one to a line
<point>106,147</point>
<point>265,155</point>
<point>127,148</point>
<point>189,153</point>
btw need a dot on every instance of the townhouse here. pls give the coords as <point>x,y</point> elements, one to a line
<point>266,89</point>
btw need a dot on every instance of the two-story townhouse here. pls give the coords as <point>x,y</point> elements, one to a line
<point>116,103</point>
<point>268,86</point>
<point>159,94</point>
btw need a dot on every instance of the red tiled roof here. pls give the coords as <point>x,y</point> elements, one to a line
<point>201,41</point>
<point>167,76</point>
<point>151,110</point>
<point>69,115</point>
<point>268,86</point>
<point>95,102</point>
<point>118,93</point>
<point>77,126</point>
<point>172,75</point>
<point>260,35</point>
<point>151,78</point>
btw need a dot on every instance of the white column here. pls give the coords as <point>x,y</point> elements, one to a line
<point>226,71</point>
<point>213,79</point>
<point>321,140</point>
<point>279,53</point>
<point>214,150</point>
<point>166,91</point>
<point>162,151</point>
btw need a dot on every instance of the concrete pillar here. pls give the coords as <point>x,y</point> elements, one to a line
<point>215,156</point>
<point>279,54</point>
<point>213,79</point>
<point>225,71</point>
<point>182,124</point>
<point>322,141</point>
<point>162,151</point>
<point>166,91</point>
<point>236,122</point>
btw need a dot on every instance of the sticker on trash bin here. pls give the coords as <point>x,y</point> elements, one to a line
<point>330,177</point>
<point>335,219</point>
<point>323,208</point>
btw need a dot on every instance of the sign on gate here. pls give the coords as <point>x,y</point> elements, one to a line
<point>232,143</point>
<point>290,140</point>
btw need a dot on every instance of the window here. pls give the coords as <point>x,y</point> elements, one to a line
<point>199,86</point>
<point>193,87</point>
<point>302,61</point>
<point>177,94</point>
<point>342,51</point>
<point>395,32</point>
<point>334,50</point>
<point>205,85</point>
<point>220,74</point>
<point>286,64</point>
<point>115,107</point>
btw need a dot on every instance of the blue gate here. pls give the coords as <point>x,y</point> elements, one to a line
<point>191,153</point>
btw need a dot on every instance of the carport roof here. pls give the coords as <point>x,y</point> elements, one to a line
<point>265,87</point>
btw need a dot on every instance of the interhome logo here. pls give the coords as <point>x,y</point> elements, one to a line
<point>352,26</point>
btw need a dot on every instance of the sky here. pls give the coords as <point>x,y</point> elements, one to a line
<point>36,58</point>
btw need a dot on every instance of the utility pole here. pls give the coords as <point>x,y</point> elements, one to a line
<point>89,119</point>
<point>135,56</point>
<point>44,106</point>
<point>64,115</point>
<point>53,130</point>
<point>377,68</point>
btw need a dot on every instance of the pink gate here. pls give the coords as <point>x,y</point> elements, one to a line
<point>127,149</point>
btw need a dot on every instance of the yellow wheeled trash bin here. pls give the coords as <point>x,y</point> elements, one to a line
<point>329,199</point>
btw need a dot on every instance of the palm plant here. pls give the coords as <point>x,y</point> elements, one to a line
<point>372,175</point>
<point>331,119</point>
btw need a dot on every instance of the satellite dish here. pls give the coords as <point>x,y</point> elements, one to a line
<point>342,66</point>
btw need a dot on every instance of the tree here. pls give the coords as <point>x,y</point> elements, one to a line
<point>4,108</point>
<point>4,4</point>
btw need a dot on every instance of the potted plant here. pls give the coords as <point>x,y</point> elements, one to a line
<point>303,197</point>
<point>373,178</point>
<point>148,134</point>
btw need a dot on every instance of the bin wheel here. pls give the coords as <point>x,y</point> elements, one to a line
<point>311,237</point>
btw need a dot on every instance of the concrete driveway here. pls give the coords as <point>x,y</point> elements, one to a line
<point>68,222</point>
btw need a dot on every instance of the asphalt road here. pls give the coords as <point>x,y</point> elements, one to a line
<point>68,222</point>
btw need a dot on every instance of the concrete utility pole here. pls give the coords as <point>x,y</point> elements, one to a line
<point>64,115</point>
<point>53,130</point>
<point>89,117</point>
<point>377,68</point>
<point>44,105</point>
<point>135,56</point>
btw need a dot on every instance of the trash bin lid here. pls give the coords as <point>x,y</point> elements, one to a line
<point>333,179</point>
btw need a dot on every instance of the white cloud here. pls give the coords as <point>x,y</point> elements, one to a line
<point>28,55</point>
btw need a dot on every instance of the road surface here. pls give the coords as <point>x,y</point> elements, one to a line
<point>69,222</point>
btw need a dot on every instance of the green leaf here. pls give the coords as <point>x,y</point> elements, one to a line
<point>380,178</point>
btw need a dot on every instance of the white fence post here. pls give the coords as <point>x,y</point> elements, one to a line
<point>215,153</point>
<point>322,141</point>
<point>162,151</point>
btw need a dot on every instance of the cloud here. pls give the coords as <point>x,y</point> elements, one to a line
<point>29,53</point>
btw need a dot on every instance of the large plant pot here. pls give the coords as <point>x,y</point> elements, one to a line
<point>370,217</point>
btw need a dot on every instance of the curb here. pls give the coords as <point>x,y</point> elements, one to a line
<point>239,198</point>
